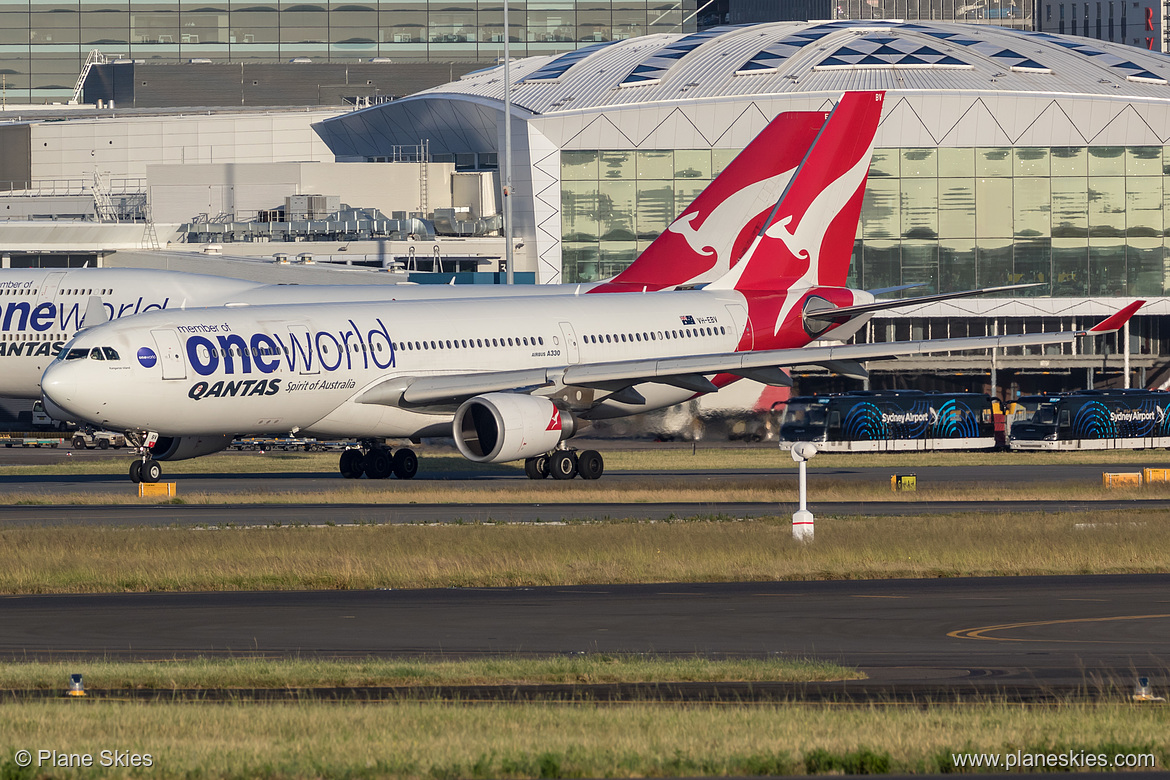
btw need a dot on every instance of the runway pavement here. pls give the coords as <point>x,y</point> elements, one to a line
<point>985,634</point>
<point>317,482</point>
<point>318,514</point>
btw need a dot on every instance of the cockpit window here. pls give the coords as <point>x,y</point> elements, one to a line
<point>96,354</point>
<point>77,354</point>
<point>110,353</point>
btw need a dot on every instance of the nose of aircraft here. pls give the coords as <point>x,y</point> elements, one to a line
<point>60,391</point>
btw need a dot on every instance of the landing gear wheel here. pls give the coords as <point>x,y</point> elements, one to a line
<point>151,471</point>
<point>405,464</point>
<point>350,464</point>
<point>562,464</point>
<point>377,463</point>
<point>136,471</point>
<point>536,468</point>
<point>590,464</point>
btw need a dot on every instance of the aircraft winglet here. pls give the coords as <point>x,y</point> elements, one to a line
<point>1116,321</point>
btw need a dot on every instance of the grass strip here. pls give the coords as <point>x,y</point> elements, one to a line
<point>777,489</point>
<point>443,460</point>
<point>86,559</point>
<point>432,741</point>
<point>311,673</point>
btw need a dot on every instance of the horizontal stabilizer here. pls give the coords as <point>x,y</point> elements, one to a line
<point>829,314</point>
<point>899,288</point>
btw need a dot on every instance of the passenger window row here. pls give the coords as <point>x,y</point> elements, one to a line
<point>661,335</point>
<point>25,291</point>
<point>523,341</point>
<point>32,336</point>
<point>87,291</point>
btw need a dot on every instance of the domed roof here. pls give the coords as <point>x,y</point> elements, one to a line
<point>812,57</point>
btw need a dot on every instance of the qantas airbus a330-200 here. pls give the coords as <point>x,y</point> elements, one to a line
<point>510,379</point>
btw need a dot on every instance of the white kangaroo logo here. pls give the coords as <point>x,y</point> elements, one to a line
<point>805,242</point>
<point>715,236</point>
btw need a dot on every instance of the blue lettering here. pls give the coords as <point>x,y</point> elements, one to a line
<point>238,354</point>
<point>23,308</point>
<point>43,316</point>
<point>69,315</point>
<point>383,334</point>
<point>321,353</point>
<point>262,347</point>
<point>202,365</point>
<point>305,351</point>
<point>229,344</point>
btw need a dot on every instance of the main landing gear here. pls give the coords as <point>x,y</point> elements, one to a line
<point>377,461</point>
<point>565,464</point>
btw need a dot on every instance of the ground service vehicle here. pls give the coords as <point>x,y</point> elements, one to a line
<point>890,421</point>
<point>1092,420</point>
<point>103,440</point>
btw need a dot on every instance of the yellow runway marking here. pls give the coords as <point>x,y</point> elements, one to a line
<point>978,633</point>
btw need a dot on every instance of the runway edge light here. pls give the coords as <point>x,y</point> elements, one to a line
<point>1141,691</point>
<point>802,519</point>
<point>76,687</point>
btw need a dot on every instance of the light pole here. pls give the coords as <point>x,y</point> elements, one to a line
<point>802,519</point>
<point>507,150</point>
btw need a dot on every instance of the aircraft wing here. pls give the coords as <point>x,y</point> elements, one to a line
<point>691,371</point>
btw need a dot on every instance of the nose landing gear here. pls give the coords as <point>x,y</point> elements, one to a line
<point>145,468</point>
<point>378,461</point>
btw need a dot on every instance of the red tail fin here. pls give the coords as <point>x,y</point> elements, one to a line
<point>809,238</point>
<point>712,234</point>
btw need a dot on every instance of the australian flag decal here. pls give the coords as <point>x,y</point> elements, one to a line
<point>687,320</point>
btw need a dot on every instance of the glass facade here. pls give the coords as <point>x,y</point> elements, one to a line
<point>614,203</point>
<point>1076,221</point>
<point>1002,13</point>
<point>44,43</point>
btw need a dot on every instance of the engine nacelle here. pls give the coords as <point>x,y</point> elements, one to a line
<point>498,427</point>
<point>184,447</point>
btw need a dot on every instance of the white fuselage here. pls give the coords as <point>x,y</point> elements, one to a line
<point>280,368</point>
<point>42,309</point>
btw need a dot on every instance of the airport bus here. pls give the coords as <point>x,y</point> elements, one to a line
<point>1092,420</point>
<point>890,421</point>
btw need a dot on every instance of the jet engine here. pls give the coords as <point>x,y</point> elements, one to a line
<point>184,447</point>
<point>498,427</point>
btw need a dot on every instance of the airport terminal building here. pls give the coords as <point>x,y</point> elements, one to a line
<point>1003,156</point>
